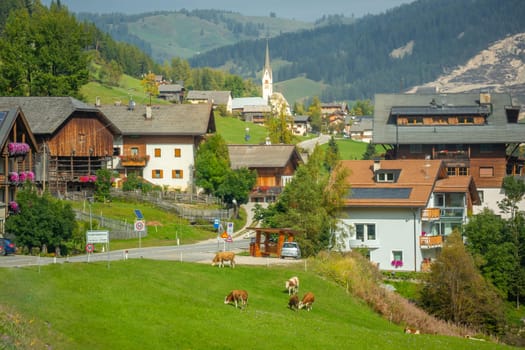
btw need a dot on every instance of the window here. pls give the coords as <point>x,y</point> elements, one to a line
<point>385,177</point>
<point>416,148</point>
<point>461,171</point>
<point>156,174</point>
<point>397,258</point>
<point>176,174</point>
<point>177,153</point>
<point>365,232</point>
<point>134,151</point>
<point>116,151</point>
<point>481,196</point>
<point>486,171</point>
<point>81,137</point>
<point>157,152</point>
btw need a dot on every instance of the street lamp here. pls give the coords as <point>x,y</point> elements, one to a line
<point>234,202</point>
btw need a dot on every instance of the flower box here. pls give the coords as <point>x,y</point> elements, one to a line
<point>88,178</point>
<point>13,177</point>
<point>14,207</point>
<point>18,148</point>
<point>397,263</point>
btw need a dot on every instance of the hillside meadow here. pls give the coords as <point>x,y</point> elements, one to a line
<point>144,304</point>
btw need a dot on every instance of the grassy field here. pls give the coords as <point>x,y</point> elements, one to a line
<point>143,304</point>
<point>164,227</point>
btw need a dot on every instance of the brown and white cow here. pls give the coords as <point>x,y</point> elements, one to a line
<point>238,297</point>
<point>292,285</point>
<point>409,330</point>
<point>307,301</point>
<point>221,257</point>
<point>293,303</point>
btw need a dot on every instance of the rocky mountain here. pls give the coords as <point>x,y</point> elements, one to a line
<point>499,68</point>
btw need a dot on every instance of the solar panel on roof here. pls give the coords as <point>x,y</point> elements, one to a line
<point>380,193</point>
<point>138,214</point>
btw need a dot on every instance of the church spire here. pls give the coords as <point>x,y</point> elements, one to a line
<point>267,80</point>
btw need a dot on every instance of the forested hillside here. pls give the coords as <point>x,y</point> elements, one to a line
<point>404,47</point>
<point>168,34</point>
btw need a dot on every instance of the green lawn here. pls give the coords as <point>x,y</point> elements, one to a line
<point>144,304</point>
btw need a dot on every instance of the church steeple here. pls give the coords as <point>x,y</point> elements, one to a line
<point>267,81</point>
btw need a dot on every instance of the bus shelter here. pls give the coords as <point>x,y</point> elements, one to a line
<point>269,241</point>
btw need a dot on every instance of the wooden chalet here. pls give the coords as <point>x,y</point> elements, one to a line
<point>275,166</point>
<point>17,165</point>
<point>74,141</point>
<point>475,134</point>
<point>216,98</point>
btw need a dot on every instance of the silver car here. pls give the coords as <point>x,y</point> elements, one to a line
<point>291,250</point>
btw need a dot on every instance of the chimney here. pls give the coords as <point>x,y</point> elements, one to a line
<point>148,112</point>
<point>377,165</point>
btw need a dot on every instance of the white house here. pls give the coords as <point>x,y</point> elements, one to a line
<point>159,143</point>
<point>401,211</point>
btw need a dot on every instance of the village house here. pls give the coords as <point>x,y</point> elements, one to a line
<point>216,98</point>
<point>401,211</point>
<point>275,166</point>
<point>474,134</point>
<point>301,125</point>
<point>171,92</point>
<point>159,143</point>
<point>74,141</point>
<point>359,128</point>
<point>17,162</point>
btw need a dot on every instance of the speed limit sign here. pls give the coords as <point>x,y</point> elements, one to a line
<point>89,248</point>
<point>139,225</point>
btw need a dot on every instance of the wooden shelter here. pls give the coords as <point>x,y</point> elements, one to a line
<point>273,241</point>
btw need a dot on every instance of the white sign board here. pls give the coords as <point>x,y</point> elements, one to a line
<point>97,237</point>
<point>229,228</point>
<point>140,226</point>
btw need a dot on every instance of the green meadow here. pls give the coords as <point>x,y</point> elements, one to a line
<point>144,304</point>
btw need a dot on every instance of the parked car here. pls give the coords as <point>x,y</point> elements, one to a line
<point>7,246</point>
<point>291,250</point>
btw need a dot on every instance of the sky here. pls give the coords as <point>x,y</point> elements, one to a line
<point>304,10</point>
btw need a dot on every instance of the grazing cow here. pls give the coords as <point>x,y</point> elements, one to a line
<point>237,296</point>
<point>409,330</point>
<point>307,301</point>
<point>220,257</point>
<point>292,285</point>
<point>294,302</point>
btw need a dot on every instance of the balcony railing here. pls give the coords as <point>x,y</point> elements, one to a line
<point>452,213</point>
<point>430,214</point>
<point>134,161</point>
<point>368,243</point>
<point>428,242</point>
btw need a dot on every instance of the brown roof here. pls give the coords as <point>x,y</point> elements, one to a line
<point>458,184</point>
<point>175,119</point>
<point>414,185</point>
<point>261,156</point>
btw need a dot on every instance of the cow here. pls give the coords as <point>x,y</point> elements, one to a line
<point>220,257</point>
<point>293,303</point>
<point>409,330</point>
<point>239,297</point>
<point>307,301</point>
<point>292,285</point>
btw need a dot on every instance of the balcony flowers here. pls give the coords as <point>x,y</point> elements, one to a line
<point>14,207</point>
<point>13,177</point>
<point>397,263</point>
<point>18,148</point>
<point>88,178</point>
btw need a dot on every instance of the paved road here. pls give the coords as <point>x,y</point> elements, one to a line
<point>200,253</point>
<point>309,145</point>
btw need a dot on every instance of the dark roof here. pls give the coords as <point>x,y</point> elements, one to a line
<point>8,117</point>
<point>495,130</point>
<point>170,88</point>
<point>217,97</point>
<point>301,118</point>
<point>261,156</point>
<point>174,119</point>
<point>46,114</point>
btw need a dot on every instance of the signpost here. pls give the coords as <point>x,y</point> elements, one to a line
<point>140,226</point>
<point>93,237</point>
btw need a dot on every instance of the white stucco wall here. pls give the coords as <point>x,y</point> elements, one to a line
<point>168,162</point>
<point>396,230</point>
<point>491,197</point>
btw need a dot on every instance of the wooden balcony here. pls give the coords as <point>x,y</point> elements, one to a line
<point>429,242</point>
<point>430,214</point>
<point>134,161</point>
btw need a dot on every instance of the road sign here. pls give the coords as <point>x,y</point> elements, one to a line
<point>89,248</point>
<point>229,228</point>
<point>97,237</point>
<point>229,239</point>
<point>216,223</point>
<point>140,226</point>
<point>224,235</point>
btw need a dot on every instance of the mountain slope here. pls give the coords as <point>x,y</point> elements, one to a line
<point>500,68</point>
